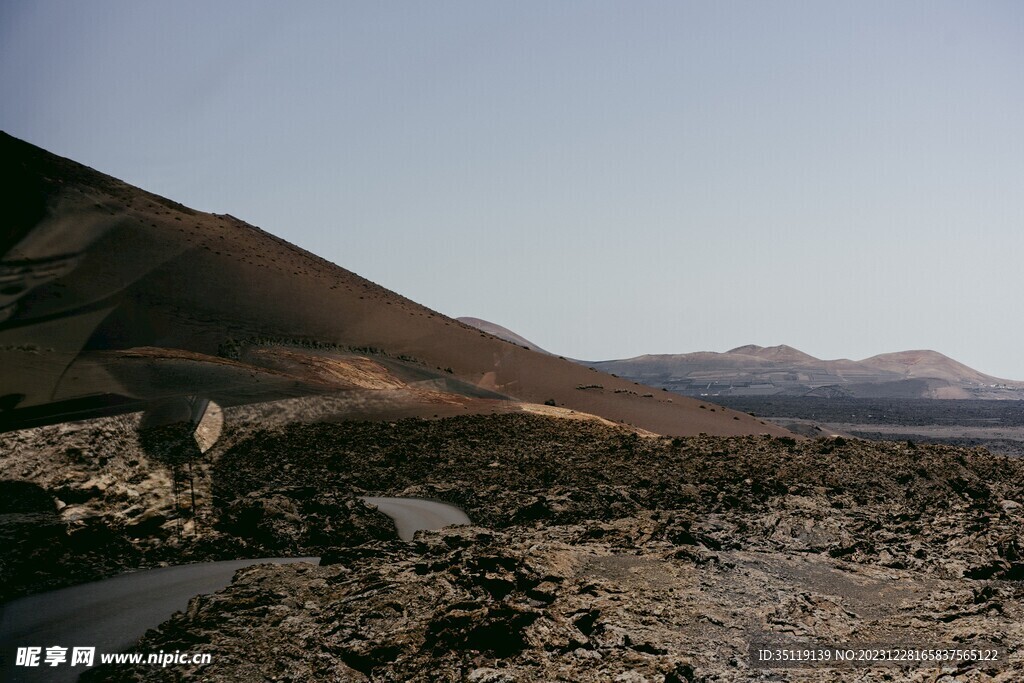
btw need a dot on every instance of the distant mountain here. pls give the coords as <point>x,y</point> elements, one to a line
<point>930,364</point>
<point>501,333</point>
<point>773,353</point>
<point>782,370</point>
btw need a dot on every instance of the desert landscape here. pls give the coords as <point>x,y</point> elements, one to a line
<point>162,407</point>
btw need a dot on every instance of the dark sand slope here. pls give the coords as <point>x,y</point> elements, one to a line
<point>114,297</point>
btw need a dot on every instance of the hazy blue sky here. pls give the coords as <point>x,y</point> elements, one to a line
<point>607,179</point>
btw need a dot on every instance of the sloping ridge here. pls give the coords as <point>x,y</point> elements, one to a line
<point>156,274</point>
<point>501,333</point>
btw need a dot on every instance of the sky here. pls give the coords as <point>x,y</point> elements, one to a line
<point>607,179</point>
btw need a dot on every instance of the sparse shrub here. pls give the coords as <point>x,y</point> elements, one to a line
<point>230,349</point>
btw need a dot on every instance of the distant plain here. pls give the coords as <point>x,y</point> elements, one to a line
<point>995,425</point>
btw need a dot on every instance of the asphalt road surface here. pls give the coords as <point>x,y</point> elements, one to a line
<point>413,514</point>
<point>109,615</point>
<point>112,614</point>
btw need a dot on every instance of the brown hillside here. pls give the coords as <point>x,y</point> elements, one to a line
<point>133,272</point>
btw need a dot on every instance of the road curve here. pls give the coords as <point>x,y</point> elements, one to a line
<point>112,614</point>
<point>109,615</point>
<point>413,514</point>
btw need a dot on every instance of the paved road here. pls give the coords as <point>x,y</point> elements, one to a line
<point>413,514</point>
<point>109,615</point>
<point>112,614</point>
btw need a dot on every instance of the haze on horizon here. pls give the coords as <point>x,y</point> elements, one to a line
<point>605,179</point>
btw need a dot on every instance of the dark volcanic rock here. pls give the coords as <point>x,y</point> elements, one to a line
<point>539,604</point>
<point>301,520</point>
<point>598,555</point>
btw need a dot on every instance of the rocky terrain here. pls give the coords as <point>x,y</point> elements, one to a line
<point>596,553</point>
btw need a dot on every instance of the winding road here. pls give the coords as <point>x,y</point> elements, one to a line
<point>112,614</point>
